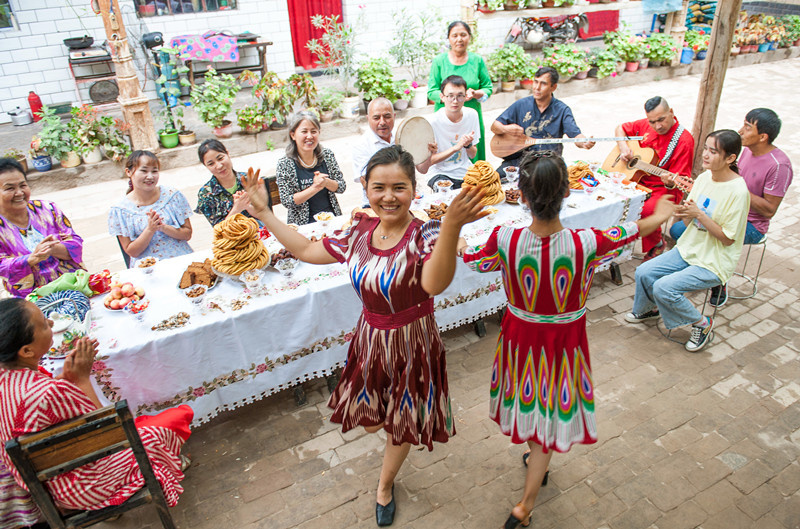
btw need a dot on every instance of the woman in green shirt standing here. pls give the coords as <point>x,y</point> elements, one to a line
<point>470,66</point>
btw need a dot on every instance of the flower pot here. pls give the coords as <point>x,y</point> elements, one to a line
<point>620,67</point>
<point>592,72</point>
<point>772,46</point>
<point>71,160</point>
<point>278,126</point>
<point>735,50</point>
<point>582,75</point>
<point>644,63</point>
<point>252,129</point>
<point>326,115</point>
<point>484,9</point>
<point>186,137</point>
<point>631,66</point>
<point>526,84</point>
<point>548,3</point>
<point>496,86</point>
<point>42,163</point>
<point>420,99</point>
<point>796,43</point>
<point>225,131</point>
<point>701,55</point>
<point>763,47</point>
<point>169,139</point>
<point>565,78</point>
<point>351,107</point>
<point>654,64</point>
<point>687,56</point>
<point>510,5</point>
<point>93,157</point>
<point>401,104</point>
<point>508,86</point>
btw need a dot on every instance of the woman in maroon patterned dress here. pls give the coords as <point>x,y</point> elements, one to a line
<point>395,378</point>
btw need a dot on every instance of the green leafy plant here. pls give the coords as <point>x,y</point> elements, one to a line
<point>276,95</point>
<point>605,60</point>
<point>335,49</point>
<point>167,89</point>
<point>54,138</point>
<point>413,44</point>
<point>792,25</point>
<point>270,145</point>
<point>660,47</point>
<point>14,153</point>
<point>567,58</point>
<point>304,88</point>
<point>403,90</point>
<point>213,100</point>
<point>250,117</point>
<point>89,130</point>
<point>329,100</point>
<point>374,79</point>
<point>697,40</point>
<point>507,62</point>
<point>491,4</point>
<point>630,48</point>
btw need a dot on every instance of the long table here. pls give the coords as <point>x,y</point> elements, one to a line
<point>298,331</point>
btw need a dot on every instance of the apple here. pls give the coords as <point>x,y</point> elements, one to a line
<point>115,284</point>
<point>116,293</point>
<point>107,301</point>
<point>124,302</point>
<point>128,290</point>
<point>135,298</point>
<point>140,292</point>
<point>114,305</point>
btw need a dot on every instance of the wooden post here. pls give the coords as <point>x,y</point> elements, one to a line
<point>716,64</point>
<point>135,106</point>
<point>676,26</point>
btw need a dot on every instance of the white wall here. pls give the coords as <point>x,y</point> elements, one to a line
<point>33,56</point>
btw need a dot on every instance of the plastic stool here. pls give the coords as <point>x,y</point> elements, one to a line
<point>748,279</point>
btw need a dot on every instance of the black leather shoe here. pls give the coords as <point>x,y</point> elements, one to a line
<point>384,514</point>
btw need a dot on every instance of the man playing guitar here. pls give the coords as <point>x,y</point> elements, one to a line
<point>674,147</point>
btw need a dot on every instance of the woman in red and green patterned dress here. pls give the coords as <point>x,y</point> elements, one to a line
<point>541,389</point>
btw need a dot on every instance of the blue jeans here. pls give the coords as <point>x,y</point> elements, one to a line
<point>751,234</point>
<point>662,282</point>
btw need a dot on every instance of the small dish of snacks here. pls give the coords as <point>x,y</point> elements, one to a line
<point>146,264</point>
<point>443,186</point>
<point>492,214</point>
<point>251,279</point>
<point>513,195</point>
<point>195,294</point>
<point>286,266</point>
<point>324,217</point>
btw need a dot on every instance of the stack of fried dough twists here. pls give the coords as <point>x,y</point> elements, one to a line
<point>236,246</point>
<point>483,175</point>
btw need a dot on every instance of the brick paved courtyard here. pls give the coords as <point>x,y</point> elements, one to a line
<point>705,440</point>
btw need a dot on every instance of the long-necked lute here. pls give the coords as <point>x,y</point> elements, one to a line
<point>504,145</point>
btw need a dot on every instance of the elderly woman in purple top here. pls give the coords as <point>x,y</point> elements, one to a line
<point>37,242</point>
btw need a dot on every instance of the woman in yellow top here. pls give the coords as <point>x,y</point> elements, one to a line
<point>470,66</point>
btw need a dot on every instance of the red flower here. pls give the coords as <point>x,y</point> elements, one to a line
<point>349,336</point>
<point>199,392</point>
<point>99,366</point>
<point>260,368</point>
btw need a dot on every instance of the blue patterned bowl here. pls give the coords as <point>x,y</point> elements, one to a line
<point>68,302</point>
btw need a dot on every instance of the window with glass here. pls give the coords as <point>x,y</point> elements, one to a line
<point>153,8</point>
<point>5,15</point>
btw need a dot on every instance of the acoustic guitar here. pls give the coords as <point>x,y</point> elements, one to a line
<point>504,145</point>
<point>642,163</point>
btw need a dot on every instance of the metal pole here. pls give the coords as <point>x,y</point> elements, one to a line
<point>135,106</point>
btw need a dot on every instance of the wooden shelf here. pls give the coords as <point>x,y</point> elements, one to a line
<point>556,11</point>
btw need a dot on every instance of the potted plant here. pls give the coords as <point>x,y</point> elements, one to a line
<point>53,141</point>
<point>508,62</point>
<point>336,52</point>
<point>19,156</point>
<point>213,100</point>
<point>513,5</point>
<point>489,6</point>
<point>698,42</point>
<point>251,119</point>
<point>276,95</point>
<point>660,48</point>
<point>792,25</point>
<point>304,88</point>
<point>568,59</point>
<point>329,102</point>
<point>185,137</point>
<point>114,142</point>
<point>630,50</point>
<point>169,82</point>
<point>528,72</point>
<point>403,93</point>
<point>86,133</point>
<point>374,80</point>
<point>414,46</point>
<point>605,61</point>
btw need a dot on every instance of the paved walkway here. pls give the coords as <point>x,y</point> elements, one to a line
<point>705,440</point>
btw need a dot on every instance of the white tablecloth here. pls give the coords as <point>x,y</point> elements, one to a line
<point>299,331</point>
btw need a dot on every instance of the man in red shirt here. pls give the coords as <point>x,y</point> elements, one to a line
<point>674,147</point>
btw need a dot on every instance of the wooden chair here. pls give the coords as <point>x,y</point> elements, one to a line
<point>43,455</point>
<point>272,188</point>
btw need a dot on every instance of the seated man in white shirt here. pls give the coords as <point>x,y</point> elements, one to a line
<point>380,116</point>
<point>456,129</point>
